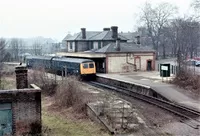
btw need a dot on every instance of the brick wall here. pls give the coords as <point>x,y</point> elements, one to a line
<point>26,109</point>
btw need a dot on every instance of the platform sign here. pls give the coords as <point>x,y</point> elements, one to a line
<point>165,70</point>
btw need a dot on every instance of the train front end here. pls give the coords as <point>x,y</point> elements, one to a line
<point>88,70</point>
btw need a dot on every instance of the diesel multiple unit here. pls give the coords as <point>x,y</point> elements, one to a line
<point>63,65</point>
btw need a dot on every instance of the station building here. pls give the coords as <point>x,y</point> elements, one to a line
<point>110,51</point>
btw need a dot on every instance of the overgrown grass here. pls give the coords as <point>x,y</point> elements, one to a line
<point>65,127</point>
<point>8,82</point>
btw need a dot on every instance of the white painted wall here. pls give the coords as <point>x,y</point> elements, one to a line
<point>73,47</point>
<point>118,62</point>
<point>95,45</point>
<point>144,62</point>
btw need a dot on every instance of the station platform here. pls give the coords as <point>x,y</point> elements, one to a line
<point>154,81</point>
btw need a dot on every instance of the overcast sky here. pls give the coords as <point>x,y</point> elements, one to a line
<point>55,18</point>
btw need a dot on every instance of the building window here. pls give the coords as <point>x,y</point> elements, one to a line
<point>71,45</point>
<point>90,45</point>
<point>99,45</point>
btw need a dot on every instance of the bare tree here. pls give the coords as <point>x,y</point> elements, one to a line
<point>155,19</point>
<point>14,45</point>
<point>196,4</point>
<point>37,48</point>
<point>2,55</point>
<point>21,49</point>
<point>185,35</point>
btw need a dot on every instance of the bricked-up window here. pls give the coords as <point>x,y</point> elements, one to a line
<point>71,45</point>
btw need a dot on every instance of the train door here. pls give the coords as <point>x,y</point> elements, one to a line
<point>5,119</point>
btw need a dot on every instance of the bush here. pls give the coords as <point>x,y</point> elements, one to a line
<point>66,93</point>
<point>188,80</point>
<point>70,94</point>
<point>42,79</point>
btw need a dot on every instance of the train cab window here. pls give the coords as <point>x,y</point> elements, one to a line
<point>85,65</point>
<point>91,65</point>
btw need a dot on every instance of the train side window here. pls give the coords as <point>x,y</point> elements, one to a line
<point>85,65</point>
<point>91,65</point>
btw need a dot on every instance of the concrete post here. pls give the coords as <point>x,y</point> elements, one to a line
<point>21,77</point>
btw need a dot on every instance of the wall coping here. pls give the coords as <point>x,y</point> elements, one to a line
<point>33,89</point>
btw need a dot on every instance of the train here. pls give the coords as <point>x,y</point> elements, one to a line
<point>84,68</point>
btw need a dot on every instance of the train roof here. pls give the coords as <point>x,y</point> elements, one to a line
<point>39,57</point>
<point>76,60</point>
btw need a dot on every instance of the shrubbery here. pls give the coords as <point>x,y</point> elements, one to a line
<point>70,94</point>
<point>66,93</point>
<point>188,80</point>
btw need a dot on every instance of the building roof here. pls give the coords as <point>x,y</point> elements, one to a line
<point>67,37</point>
<point>106,35</point>
<point>124,47</point>
<point>78,36</point>
<point>94,36</point>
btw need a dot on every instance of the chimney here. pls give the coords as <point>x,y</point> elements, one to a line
<point>118,44</point>
<point>106,29</point>
<point>21,77</point>
<point>114,32</point>
<point>83,32</point>
<point>137,39</point>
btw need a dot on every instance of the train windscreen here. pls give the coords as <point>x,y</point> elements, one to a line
<point>85,65</point>
<point>91,65</point>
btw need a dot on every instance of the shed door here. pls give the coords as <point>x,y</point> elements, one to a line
<point>5,119</point>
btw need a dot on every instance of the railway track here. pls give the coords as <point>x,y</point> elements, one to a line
<point>189,116</point>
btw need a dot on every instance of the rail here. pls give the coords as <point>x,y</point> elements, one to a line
<point>190,116</point>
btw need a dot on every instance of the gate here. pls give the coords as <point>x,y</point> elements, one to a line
<point>5,119</point>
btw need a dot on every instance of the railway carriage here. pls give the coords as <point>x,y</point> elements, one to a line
<point>72,66</point>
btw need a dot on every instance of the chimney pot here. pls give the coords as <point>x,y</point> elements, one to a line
<point>83,32</point>
<point>114,32</point>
